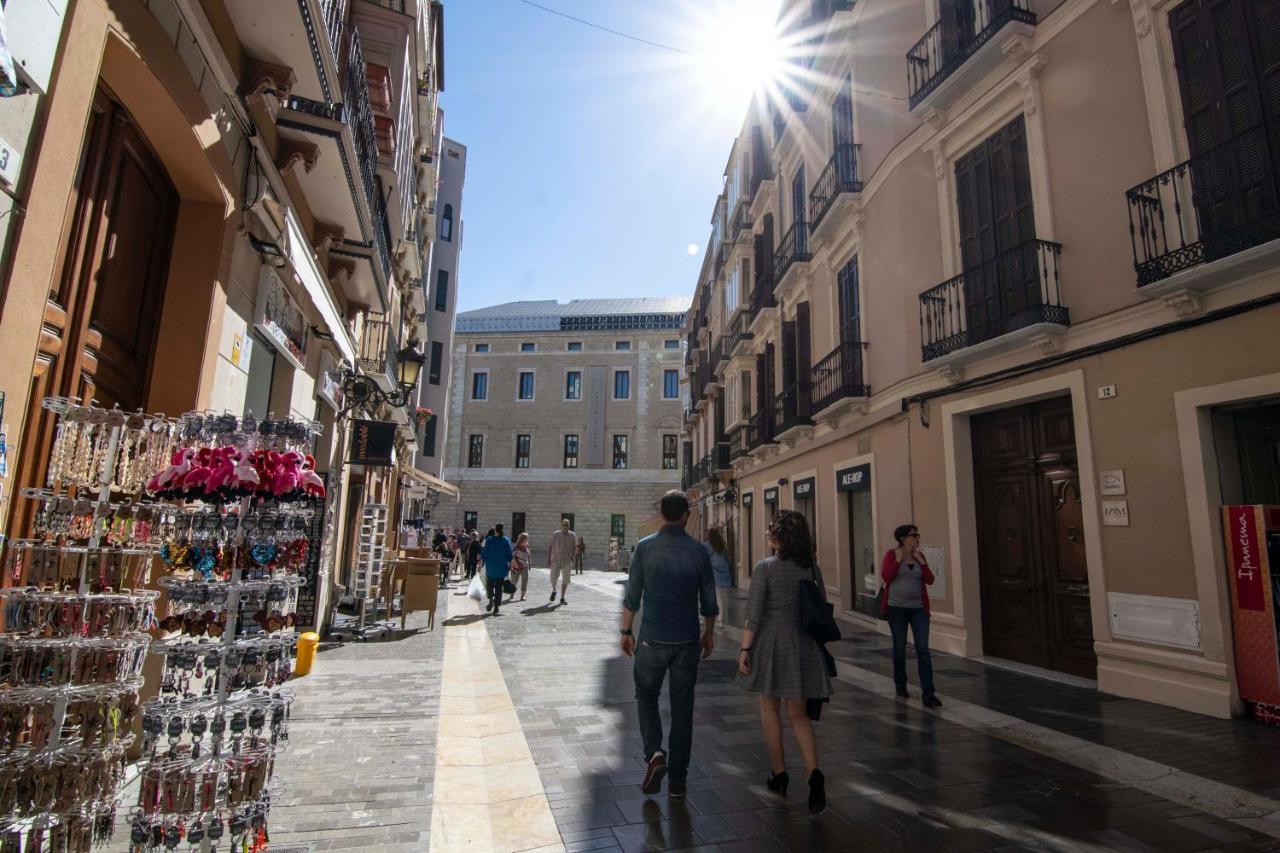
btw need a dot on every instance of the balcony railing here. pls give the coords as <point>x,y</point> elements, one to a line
<point>839,376</point>
<point>791,407</point>
<point>840,176</point>
<point>760,429</point>
<point>792,249</point>
<point>739,442</point>
<point>762,297</point>
<point>741,221</point>
<point>334,13</point>
<point>739,330</point>
<point>1220,202</point>
<point>951,41</point>
<point>378,348</point>
<point>720,457</point>
<point>1013,290</point>
<point>359,117</point>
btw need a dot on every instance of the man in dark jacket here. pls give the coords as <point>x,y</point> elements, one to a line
<point>671,575</point>
<point>497,554</point>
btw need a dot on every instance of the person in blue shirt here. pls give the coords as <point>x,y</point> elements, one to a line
<point>496,555</point>
<point>671,574</point>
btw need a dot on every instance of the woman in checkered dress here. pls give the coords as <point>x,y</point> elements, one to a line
<point>779,660</point>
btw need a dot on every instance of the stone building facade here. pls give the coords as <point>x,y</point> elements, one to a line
<point>1021,307</point>
<point>565,410</point>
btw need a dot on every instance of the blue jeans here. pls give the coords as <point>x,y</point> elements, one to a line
<point>918,619</point>
<point>652,662</point>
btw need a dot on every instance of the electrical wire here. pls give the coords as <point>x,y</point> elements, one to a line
<point>604,29</point>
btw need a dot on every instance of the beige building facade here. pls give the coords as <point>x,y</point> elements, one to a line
<point>226,206</point>
<point>565,410</point>
<point>1024,303</point>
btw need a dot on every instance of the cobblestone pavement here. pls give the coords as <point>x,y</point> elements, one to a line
<point>360,768</point>
<point>899,777</point>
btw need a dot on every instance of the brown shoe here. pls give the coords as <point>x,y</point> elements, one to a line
<point>654,773</point>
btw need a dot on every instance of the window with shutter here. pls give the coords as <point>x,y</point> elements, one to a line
<point>850,302</point>
<point>804,359</point>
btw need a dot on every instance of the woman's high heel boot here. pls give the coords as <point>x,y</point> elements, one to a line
<point>777,782</point>
<point>817,793</point>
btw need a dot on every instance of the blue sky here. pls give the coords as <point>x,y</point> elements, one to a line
<point>593,161</point>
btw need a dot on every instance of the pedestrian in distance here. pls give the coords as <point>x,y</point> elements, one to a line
<point>671,576</point>
<point>560,551</point>
<point>497,565</point>
<point>474,548</point>
<point>520,565</point>
<point>778,659</point>
<point>719,554</point>
<point>904,601</point>
<point>579,552</point>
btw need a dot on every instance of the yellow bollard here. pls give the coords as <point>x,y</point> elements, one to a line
<point>306,653</point>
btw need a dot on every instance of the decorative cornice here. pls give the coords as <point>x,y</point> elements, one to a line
<point>259,77</point>
<point>292,152</point>
<point>1184,303</point>
<point>950,373</point>
<point>1046,344</point>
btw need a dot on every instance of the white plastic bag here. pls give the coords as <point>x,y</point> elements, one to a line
<point>476,590</point>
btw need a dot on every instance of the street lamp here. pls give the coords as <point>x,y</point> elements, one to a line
<point>360,390</point>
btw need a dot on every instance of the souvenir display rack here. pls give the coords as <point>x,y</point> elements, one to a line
<point>238,547</point>
<point>75,631</point>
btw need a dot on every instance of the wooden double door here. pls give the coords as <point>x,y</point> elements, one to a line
<point>102,311</point>
<point>1031,547</point>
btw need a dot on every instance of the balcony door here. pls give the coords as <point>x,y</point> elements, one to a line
<point>842,134</point>
<point>850,302</point>
<point>997,230</point>
<point>1227,54</point>
<point>798,200</point>
<point>963,20</point>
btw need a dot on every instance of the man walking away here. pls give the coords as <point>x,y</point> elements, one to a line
<point>473,553</point>
<point>497,563</point>
<point>579,553</point>
<point>671,574</point>
<point>564,544</point>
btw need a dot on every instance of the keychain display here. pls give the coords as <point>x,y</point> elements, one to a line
<point>235,547</point>
<point>75,630</point>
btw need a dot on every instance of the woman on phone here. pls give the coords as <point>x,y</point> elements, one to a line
<point>778,659</point>
<point>906,577</point>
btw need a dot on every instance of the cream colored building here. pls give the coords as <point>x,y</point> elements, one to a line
<point>1027,302</point>
<point>227,206</point>
<point>565,410</point>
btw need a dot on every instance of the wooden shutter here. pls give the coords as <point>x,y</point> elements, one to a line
<point>762,387</point>
<point>804,357</point>
<point>766,269</point>
<point>842,118</point>
<point>798,203</point>
<point>850,303</point>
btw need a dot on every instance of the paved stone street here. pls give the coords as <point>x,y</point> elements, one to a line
<point>374,766</point>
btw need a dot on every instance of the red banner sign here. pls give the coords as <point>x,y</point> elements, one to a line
<point>1246,556</point>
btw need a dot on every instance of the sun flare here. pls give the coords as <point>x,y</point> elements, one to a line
<point>738,49</point>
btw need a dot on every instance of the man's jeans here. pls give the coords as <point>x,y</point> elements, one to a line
<point>918,619</point>
<point>652,662</point>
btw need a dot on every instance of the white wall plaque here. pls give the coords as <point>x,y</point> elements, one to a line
<point>1111,482</point>
<point>1153,619</point>
<point>10,160</point>
<point>937,557</point>
<point>1115,513</point>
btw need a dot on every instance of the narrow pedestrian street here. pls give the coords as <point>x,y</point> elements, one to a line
<point>414,744</point>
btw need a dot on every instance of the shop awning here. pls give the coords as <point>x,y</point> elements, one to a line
<point>298,250</point>
<point>429,481</point>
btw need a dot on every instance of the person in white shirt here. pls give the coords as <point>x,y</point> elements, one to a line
<point>560,557</point>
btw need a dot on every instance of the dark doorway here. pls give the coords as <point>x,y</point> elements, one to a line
<point>517,525</point>
<point>1032,567</point>
<point>569,516</point>
<point>102,314</point>
<point>470,520</point>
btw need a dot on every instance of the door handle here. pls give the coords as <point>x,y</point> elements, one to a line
<point>1073,534</point>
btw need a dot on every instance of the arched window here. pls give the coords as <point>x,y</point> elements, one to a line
<point>446,224</point>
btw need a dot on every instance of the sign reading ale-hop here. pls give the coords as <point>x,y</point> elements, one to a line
<point>771,495</point>
<point>749,499</point>
<point>372,443</point>
<point>854,479</point>
<point>802,490</point>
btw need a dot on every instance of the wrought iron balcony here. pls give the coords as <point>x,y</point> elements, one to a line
<point>1015,289</point>
<point>840,176</point>
<point>950,42</point>
<point>762,297</point>
<point>739,330</point>
<point>791,407</point>
<point>738,440</point>
<point>839,376</point>
<point>741,221</point>
<point>719,458</point>
<point>760,429</point>
<point>1216,204</point>
<point>359,117</point>
<point>378,348</point>
<point>334,13</point>
<point>792,249</point>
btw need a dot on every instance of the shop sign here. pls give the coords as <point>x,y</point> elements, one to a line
<point>771,495</point>
<point>802,490</point>
<point>1246,556</point>
<point>855,479</point>
<point>372,443</point>
<point>749,499</point>
<point>329,383</point>
<point>279,317</point>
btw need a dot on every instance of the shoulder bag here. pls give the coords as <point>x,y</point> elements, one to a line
<point>817,615</point>
<point>882,603</point>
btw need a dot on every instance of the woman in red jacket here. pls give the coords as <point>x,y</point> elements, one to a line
<point>906,577</point>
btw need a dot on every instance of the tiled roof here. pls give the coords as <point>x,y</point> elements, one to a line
<point>547,315</point>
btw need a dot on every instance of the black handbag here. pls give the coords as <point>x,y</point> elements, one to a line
<point>509,587</point>
<point>882,604</point>
<point>817,615</point>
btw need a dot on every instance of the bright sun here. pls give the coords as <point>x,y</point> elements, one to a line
<point>737,48</point>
